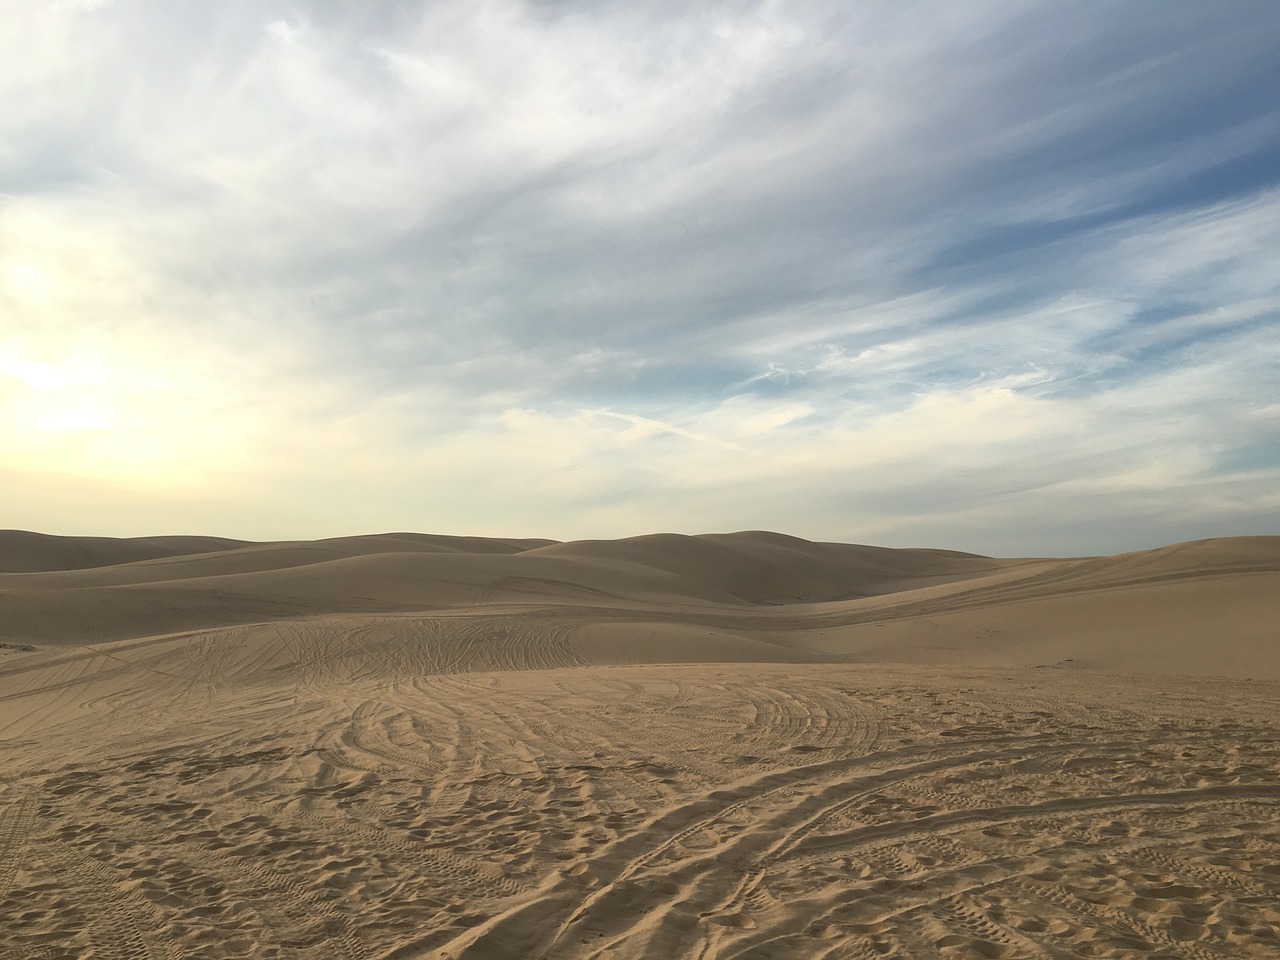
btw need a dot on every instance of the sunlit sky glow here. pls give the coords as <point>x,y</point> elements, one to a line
<point>1000,276</point>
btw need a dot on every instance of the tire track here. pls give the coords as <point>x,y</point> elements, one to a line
<point>776,839</point>
<point>119,925</point>
<point>15,832</point>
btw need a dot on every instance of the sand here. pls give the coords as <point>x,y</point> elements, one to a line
<point>737,746</point>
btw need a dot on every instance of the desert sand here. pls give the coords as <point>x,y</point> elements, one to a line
<point>729,746</point>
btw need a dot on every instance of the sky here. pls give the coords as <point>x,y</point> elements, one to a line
<point>993,276</point>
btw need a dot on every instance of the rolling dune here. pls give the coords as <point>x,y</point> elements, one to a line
<point>729,746</point>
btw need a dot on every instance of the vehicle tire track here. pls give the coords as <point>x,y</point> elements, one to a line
<point>15,832</point>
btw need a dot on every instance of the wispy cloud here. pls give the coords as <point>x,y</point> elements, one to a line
<point>997,276</point>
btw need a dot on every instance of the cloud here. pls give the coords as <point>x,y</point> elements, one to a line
<point>590,269</point>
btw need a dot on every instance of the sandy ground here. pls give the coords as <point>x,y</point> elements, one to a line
<point>737,746</point>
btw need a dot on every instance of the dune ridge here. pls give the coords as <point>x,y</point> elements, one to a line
<point>739,746</point>
<point>797,598</point>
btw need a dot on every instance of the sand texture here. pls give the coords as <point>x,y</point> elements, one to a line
<point>739,746</point>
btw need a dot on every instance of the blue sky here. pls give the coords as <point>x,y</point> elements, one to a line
<point>1002,276</point>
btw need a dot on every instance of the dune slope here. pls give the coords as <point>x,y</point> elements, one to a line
<point>1195,607</point>
<point>739,746</point>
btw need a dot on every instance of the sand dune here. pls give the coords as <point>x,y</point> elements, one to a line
<point>729,746</point>
<point>764,567</point>
<point>1208,606</point>
<point>22,551</point>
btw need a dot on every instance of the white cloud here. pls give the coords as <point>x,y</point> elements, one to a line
<point>502,268</point>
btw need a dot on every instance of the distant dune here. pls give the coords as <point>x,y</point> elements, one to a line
<point>722,747</point>
<point>1189,608</point>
